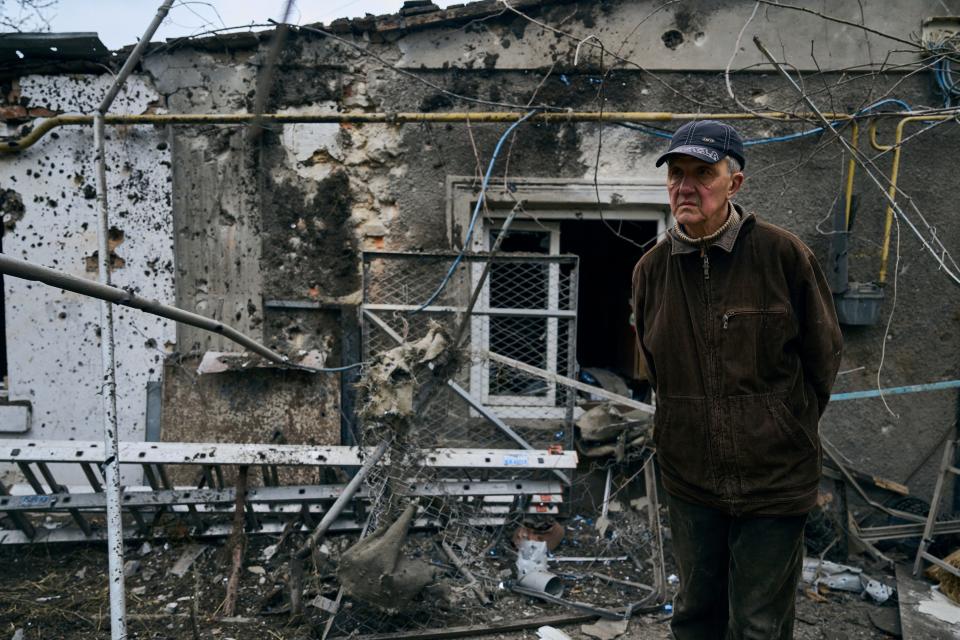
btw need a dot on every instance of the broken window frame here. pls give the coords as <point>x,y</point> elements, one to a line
<point>553,200</point>
<point>480,383</point>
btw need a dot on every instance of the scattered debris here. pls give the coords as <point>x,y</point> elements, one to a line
<point>190,554</point>
<point>887,620</point>
<point>551,633</point>
<point>626,583</point>
<point>605,379</point>
<point>843,577</point>
<point>376,571</point>
<point>473,583</point>
<point>949,583</point>
<point>324,604</point>
<point>605,629</point>
<point>131,568</point>
<point>603,559</point>
<point>220,362</point>
<point>270,551</point>
<point>604,430</point>
<point>389,383</point>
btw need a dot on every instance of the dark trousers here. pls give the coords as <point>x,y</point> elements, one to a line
<point>738,575</point>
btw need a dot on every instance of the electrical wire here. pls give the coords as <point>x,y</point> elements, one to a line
<point>476,212</point>
<point>943,75</point>
<point>355,365</point>
<point>784,138</point>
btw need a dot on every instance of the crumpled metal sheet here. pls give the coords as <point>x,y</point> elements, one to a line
<point>221,361</point>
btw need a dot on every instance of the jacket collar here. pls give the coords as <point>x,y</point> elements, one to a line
<point>725,241</point>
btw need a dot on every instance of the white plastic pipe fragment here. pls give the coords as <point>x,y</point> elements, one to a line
<point>842,577</point>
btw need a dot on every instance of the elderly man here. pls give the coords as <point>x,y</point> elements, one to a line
<point>737,326</point>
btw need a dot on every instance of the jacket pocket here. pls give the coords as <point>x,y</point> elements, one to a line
<point>753,342</point>
<point>773,451</point>
<point>791,424</point>
<point>681,435</point>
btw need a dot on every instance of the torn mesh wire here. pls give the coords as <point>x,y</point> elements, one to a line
<point>526,313</point>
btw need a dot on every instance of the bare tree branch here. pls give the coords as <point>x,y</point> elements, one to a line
<point>850,23</point>
<point>26,15</point>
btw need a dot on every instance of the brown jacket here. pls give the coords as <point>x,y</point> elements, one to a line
<point>742,343</point>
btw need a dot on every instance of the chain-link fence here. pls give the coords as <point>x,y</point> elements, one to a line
<point>525,311</point>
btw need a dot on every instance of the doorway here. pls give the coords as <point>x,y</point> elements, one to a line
<point>605,335</point>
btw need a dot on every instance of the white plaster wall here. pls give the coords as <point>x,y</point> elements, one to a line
<point>53,346</point>
<point>624,154</point>
<point>710,28</point>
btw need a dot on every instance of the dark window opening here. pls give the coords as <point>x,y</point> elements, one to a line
<point>605,336</point>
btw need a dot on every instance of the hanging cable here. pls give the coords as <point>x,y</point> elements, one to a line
<point>943,71</point>
<point>476,213</point>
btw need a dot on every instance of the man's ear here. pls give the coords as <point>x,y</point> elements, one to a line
<point>736,181</point>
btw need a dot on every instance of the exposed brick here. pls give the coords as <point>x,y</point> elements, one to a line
<point>17,112</point>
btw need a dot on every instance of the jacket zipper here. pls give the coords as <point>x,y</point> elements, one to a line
<point>714,370</point>
<point>747,312</point>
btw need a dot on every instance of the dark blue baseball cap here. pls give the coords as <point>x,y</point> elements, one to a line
<point>706,140</point>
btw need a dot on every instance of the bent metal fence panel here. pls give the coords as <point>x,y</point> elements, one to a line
<point>526,311</point>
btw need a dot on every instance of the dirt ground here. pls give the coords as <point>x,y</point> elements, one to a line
<point>60,591</point>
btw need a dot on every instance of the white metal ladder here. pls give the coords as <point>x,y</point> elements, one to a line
<point>947,468</point>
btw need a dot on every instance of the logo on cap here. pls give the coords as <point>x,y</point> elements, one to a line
<point>703,151</point>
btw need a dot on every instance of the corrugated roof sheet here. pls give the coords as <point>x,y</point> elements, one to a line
<point>30,47</point>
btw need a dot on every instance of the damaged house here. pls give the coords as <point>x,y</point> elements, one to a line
<point>433,217</point>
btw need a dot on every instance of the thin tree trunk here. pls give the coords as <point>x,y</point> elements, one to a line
<point>238,541</point>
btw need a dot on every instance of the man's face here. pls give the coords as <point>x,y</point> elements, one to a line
<point>699,192</point>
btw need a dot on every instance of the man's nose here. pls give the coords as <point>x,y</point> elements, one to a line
<point>686,184</point>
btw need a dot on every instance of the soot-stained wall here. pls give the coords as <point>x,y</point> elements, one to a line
<point>284,215</point>
<point>396,173</point>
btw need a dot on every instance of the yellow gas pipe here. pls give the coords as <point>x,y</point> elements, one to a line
<point>851,168</point>
<point>46,125</point>
<point>897,146</point>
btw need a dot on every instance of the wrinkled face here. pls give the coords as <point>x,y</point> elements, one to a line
<point>699,192</point>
